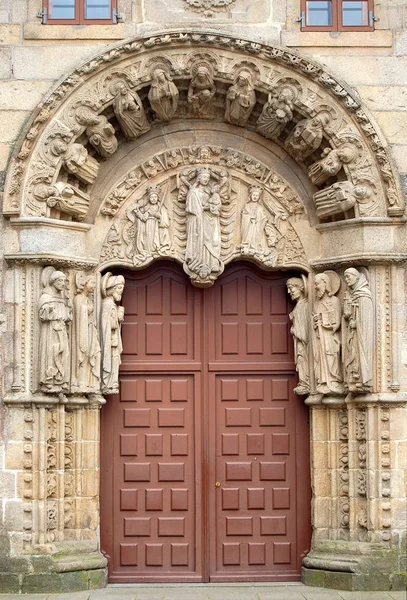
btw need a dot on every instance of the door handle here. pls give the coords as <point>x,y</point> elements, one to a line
<point>217,484</point>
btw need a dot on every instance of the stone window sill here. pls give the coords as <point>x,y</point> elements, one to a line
<point>337,39</point>
<point>37,31</point>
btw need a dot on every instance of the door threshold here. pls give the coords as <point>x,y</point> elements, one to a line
<point>189,585</point>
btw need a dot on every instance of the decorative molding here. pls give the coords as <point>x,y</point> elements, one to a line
<point>209,7</point>
<point>350,260</point>
<point>344,501</point>
<point>385,473</point>
<point>67,113</point>
<point>69,262</point>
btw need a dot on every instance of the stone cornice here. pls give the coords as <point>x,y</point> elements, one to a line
<point>362,258</point>
<point>73,262</point>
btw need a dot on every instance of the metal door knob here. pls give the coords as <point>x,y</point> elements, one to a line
<point>217,484</point>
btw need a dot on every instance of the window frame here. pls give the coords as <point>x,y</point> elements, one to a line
<point>337,24</point>
<point>80,15</point>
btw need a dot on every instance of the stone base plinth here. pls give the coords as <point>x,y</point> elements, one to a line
<point>44,574</point>
<point>355,567</point>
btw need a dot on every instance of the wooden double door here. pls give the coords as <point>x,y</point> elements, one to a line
<point>205,458</point>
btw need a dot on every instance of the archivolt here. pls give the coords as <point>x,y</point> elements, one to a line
<point>348,164</point>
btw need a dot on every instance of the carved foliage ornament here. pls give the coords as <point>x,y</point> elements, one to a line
<point>208,6</point>
<point>329,113</point>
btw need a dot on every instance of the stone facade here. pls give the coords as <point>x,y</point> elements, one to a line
<point>295,143</point>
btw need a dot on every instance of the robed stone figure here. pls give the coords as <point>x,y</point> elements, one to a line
<point>358,332</point>
<point>300,331</point>
<point>240,100</point>
<point>163,95</point>
<point>86,352</point>
<point>326,320</point>
<point>111,319</point>
<point>130,112</point>
<point>55,314</point>
<point>203,207</point>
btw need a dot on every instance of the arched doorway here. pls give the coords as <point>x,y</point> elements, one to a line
<point>205,452</point>
<point>79,189</point>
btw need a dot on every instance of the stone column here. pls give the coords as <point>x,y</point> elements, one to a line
<point>49,483</point>
<point>358,458</point>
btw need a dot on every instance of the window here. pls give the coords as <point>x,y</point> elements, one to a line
<point>337,15</point>
<point>79,12</point>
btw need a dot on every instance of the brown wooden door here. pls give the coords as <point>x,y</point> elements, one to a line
<point>205,460</point>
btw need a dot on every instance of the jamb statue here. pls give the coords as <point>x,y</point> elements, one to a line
<point>55,314</point>
<point>111,319</point>
<point>86,353</point>
<point>326,319</point>
<point>300,329</point>
<point>358,332</point>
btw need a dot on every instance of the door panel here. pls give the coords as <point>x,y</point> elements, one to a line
<point>204,452</point>
<point>255,505</point>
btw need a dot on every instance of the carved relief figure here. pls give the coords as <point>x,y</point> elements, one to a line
<point>276,113</point>
<point>307,136</point>
<point>203,207</point>
<point>86,352</point>
<point>76,160</point>
<point>100,132</point>
<point>331,163</point>
<point>111,319</point>
<point>130,112</point>
<point>163,95</point>
<point>240,100</point>
<point>299,318</point>
<point>326,320</point>
<point>259,236</point>
<point>152,229</point>
<point>65,198</point>
<point>342,196</point>
<point>358,332</point>
<point>201,91</point>
<point>54,314</point>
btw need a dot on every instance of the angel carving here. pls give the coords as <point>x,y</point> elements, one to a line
<point>152,226</point>
<point>259,235</point>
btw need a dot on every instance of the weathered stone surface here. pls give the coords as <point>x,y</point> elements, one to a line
<point>9,35</point>
<point>13,121</point>
<point>345,39</point>
<point>35,31</point>
<point>31,62</point>
<point>22,95</point>
<point>5,64</point>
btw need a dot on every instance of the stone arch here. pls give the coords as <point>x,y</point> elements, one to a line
<point>75,177</point>
<point>79,109</point>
